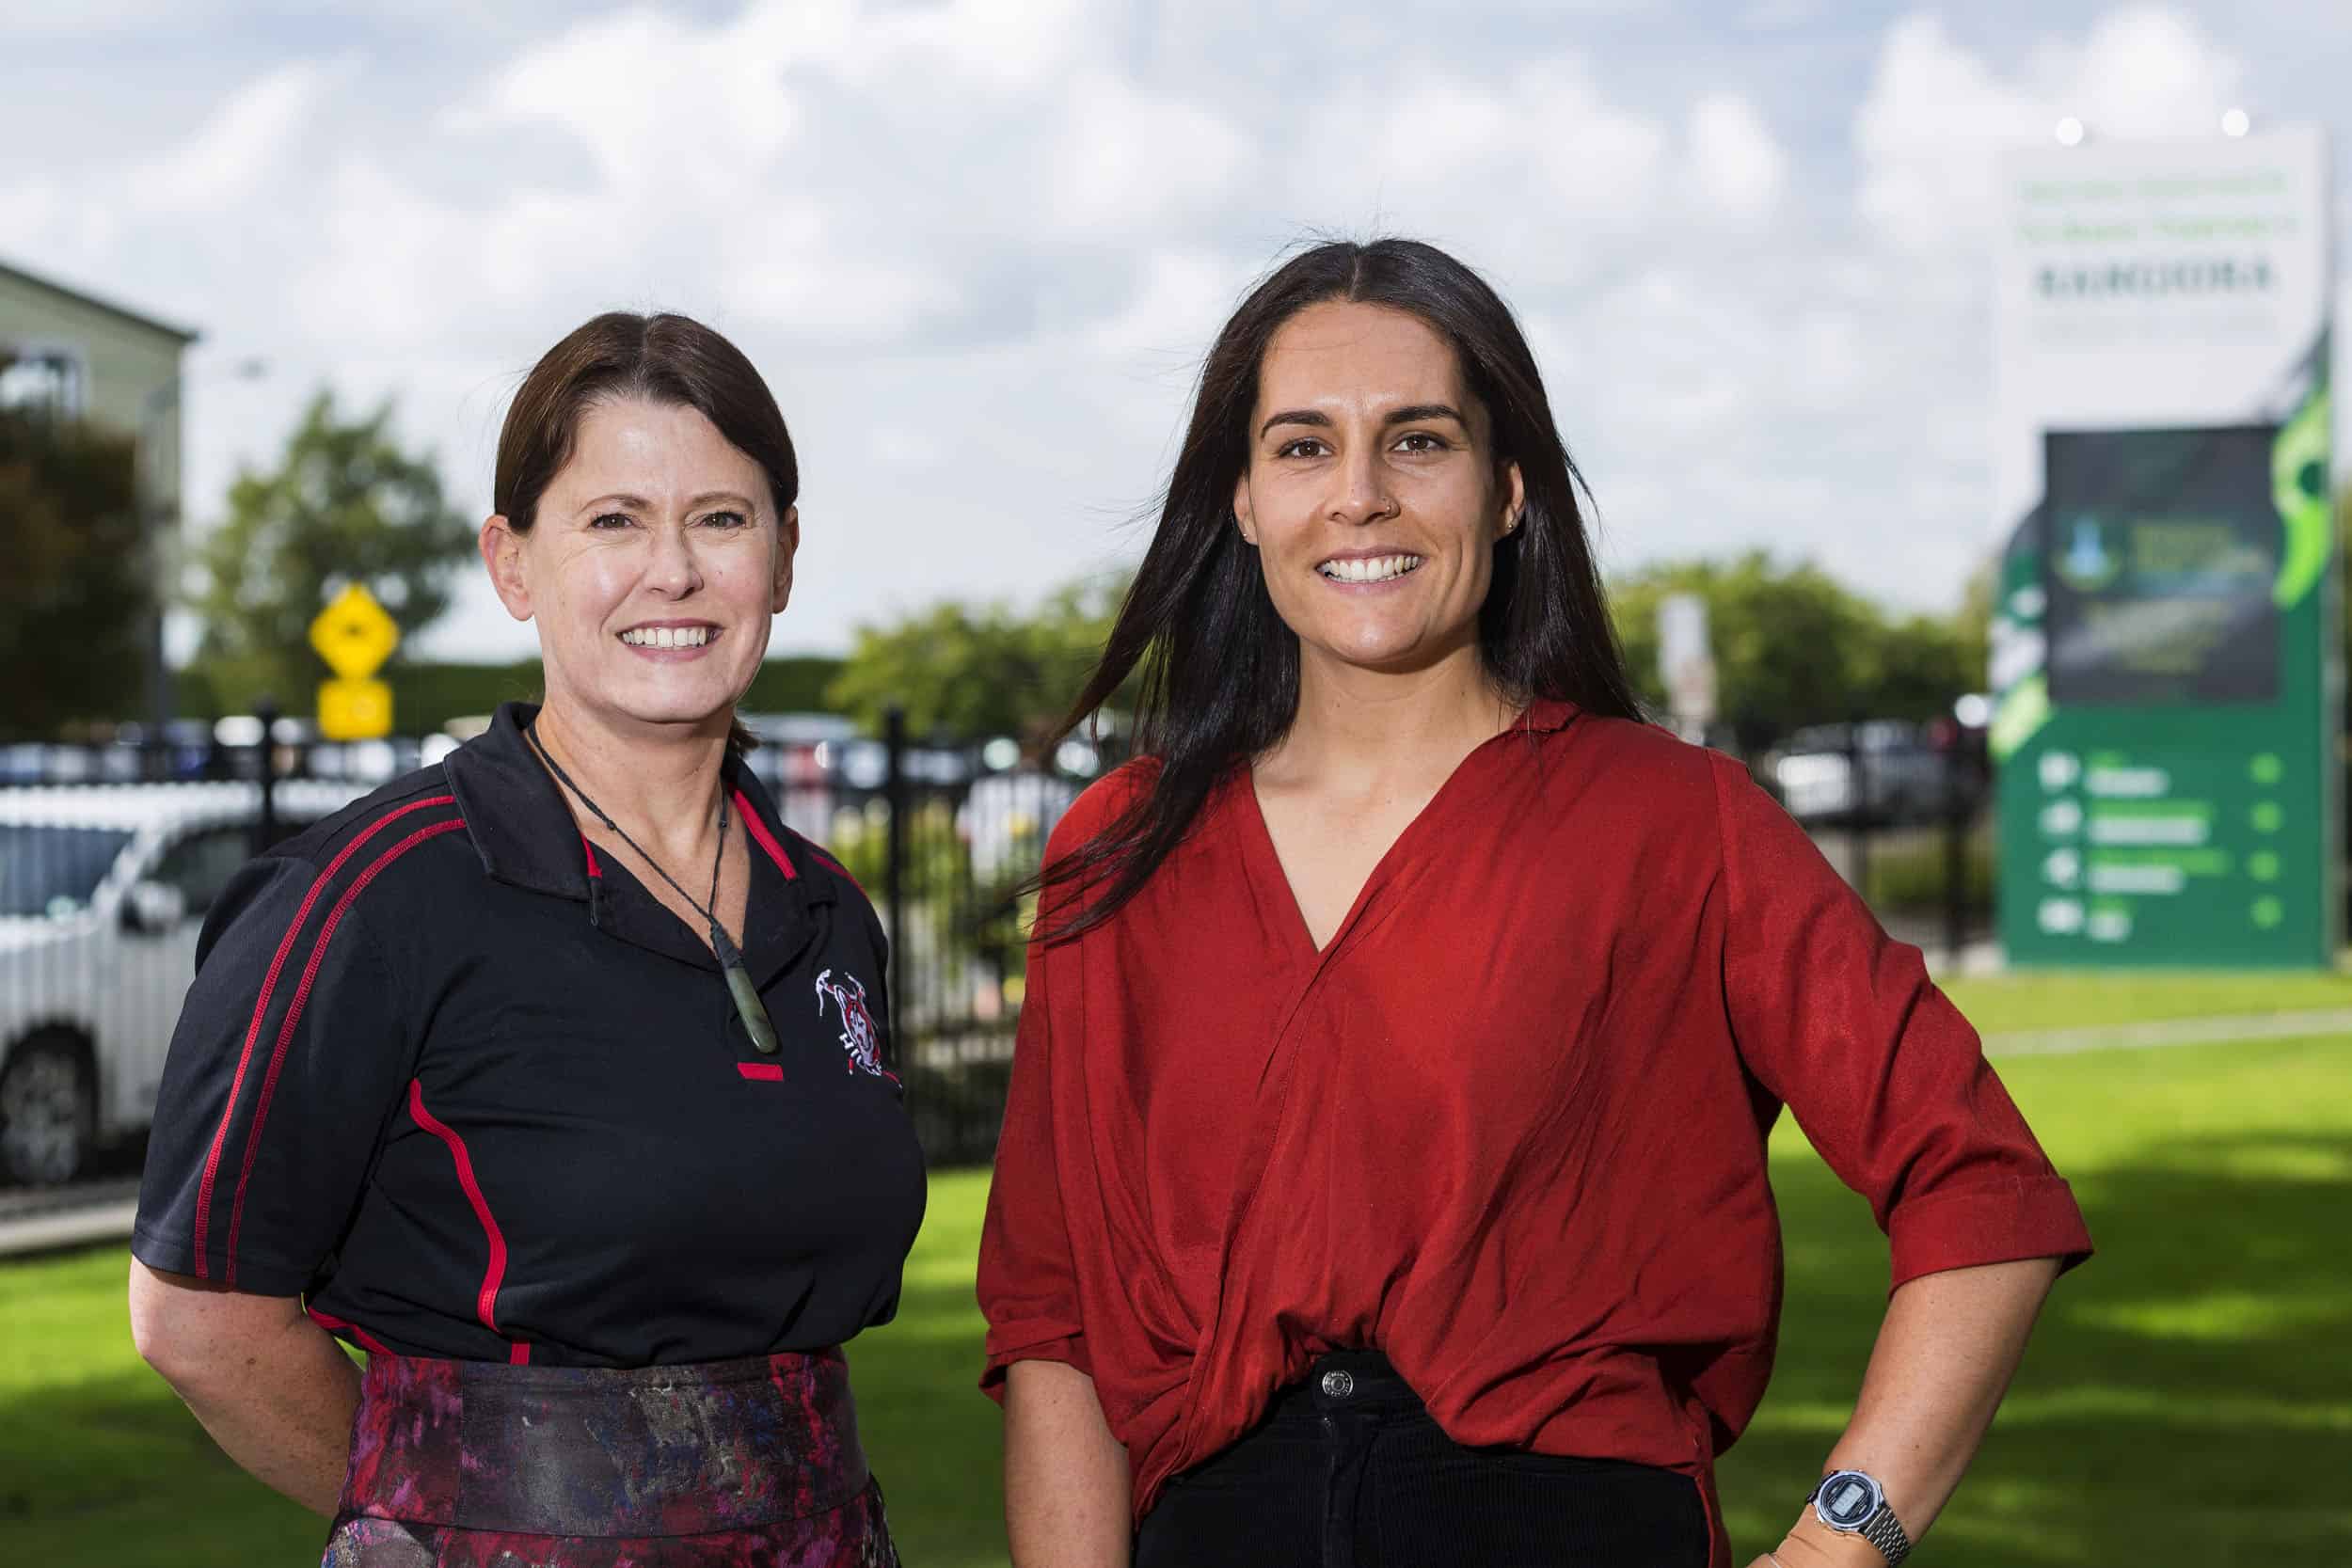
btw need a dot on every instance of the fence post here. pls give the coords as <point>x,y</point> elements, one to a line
<point>1857,809</point>
<point>265,821</point>
<point>894,876</point>
<point>1956,891</point>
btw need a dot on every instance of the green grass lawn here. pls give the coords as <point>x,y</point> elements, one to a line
<point>2187,1400</point>
<point>2011,1003</point>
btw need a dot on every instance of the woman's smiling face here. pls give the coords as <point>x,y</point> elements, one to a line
<point>1371,491</point>
<point>653,566</point>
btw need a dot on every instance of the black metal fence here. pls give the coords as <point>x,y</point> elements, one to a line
<point>1904,813</point>
<point>943,838</point>
<point>109,855</point>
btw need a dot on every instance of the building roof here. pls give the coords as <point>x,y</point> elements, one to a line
<point>79,297</point>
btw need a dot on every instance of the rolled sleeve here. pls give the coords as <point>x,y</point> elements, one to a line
<point>1069,1349</point>
<point>1840,1022</point>
<point>1964,1227</point>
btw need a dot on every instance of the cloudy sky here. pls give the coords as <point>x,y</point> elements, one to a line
<point>978,245</point>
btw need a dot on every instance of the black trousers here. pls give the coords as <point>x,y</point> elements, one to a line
<point>1349,1471</point>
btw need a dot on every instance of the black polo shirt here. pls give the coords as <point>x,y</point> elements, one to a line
<point>472,1090</point>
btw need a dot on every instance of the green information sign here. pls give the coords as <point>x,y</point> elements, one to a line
<point>2168,709</point>
<point>2167,723</point>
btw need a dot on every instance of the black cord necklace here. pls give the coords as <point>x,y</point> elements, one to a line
<point>748,1006</point>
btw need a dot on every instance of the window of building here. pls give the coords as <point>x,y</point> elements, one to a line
<point>41,378</point>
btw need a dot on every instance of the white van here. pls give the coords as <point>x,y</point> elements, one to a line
<point>103,889</point>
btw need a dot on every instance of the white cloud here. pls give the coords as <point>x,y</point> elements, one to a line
<point>1180,299</point>
<point>2145,71</point>
<point>797,286</point>
<point>1003,46</point>
<point>979,246</point>
<point>1606,162</point>
<point>1830,356</point>
<point>656,101</point>
<point>31,207</point>
<point>1773,15</point>
<point>249,140</point>
<point>379,279</point>
<point>1938,114</point>
<point>1929,131</point>
<point>1738,170</point>
<point>1539,175</point>
<point>1126,158</point>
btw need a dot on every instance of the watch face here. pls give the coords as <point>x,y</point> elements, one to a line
<point>1848,1499</point>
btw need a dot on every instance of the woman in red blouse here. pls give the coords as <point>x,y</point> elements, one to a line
<point>1384,1176</point>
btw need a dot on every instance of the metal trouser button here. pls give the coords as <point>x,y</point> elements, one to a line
<point>1339,1385</point>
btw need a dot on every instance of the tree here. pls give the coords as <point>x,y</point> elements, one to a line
<point>346,504</point>
<point>1794,646</point>
<point>1919,666</point>
<point>980,668</point>
<point>78,593</point>
<point>1789,641</point>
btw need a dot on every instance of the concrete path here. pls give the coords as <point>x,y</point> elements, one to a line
<point>44,1219</point>
<point>2159,1034</point>
<point>68,1227</point>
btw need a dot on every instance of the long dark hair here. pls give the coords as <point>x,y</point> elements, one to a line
<point>662,358</point>
<point>1219,680</point>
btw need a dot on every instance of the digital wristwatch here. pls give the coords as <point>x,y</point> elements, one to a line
<point>1852,1502</point>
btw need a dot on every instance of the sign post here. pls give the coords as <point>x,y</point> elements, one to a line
<point>355,636</point>
<point>1685,665</point>
<point>2165,642</point>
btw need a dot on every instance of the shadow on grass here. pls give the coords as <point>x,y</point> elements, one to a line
<point>111,1471</point>
<point>2187,1397</point>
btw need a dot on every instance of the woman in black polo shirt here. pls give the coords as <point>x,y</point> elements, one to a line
<point>551,1076</point>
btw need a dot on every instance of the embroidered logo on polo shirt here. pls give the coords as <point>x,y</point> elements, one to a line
<point>859,1036</point>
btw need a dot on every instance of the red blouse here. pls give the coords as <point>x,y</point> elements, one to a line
<point>1508,1127</point>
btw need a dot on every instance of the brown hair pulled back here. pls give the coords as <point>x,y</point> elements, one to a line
<point>661,358</point>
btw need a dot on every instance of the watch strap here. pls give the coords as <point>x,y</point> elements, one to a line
<point>1885,1531</point>
<point>1881,1529</point>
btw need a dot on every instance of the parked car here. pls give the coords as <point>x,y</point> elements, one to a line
<point>1903,767</point>
<point>103,889</point>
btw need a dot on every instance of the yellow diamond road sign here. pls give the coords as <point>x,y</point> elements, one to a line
<point>354,635</point>
<point>354,710</point>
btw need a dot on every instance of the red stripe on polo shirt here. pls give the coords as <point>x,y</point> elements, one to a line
<point>771,1073</point>
<point>839,870</point>
<point>260,1008</point>
<point>758,829</point>
<point>367,1341</point>
<point>485,1302</point>
<point>590,850</point>
<point>301,1000</point>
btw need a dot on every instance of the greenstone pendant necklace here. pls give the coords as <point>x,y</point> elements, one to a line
<point>748,1006</point>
